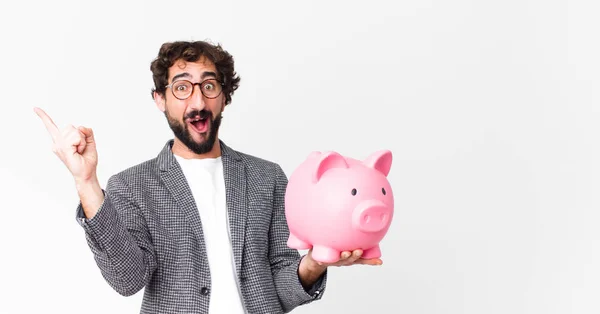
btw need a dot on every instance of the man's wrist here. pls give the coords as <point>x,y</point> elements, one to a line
<point>310,271</point>
<point>90,195</point>
<point>86,183</point>
<point>313,266</point>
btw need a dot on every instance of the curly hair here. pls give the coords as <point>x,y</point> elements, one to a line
<point>192,51</point>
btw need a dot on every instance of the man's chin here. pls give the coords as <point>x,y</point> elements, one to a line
<point>201,141</point>
<point>199,138</point>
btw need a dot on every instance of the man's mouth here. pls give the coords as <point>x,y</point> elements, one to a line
<point>199,124</point>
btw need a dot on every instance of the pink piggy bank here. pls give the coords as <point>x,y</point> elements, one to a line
<point>335,203</point>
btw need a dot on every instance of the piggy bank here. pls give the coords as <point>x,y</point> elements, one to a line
<point>335,203</point>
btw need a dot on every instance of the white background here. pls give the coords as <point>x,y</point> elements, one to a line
<point>491,109</point>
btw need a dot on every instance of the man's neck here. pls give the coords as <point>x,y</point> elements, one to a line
<point>183,151</point>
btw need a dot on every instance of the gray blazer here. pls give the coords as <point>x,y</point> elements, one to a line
<point>148,234</point>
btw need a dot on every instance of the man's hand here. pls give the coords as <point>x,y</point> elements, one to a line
<point>76,148</point>
<point>348,258</point>
<point>310,270</point>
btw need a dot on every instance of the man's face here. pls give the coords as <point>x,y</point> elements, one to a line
<point>195,121</point>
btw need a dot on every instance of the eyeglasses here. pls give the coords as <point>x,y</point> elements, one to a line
<point>183,89</point>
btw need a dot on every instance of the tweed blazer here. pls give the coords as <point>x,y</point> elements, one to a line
<point>148,235</point>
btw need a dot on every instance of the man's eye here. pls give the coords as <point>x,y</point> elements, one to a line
<point>209,86</point>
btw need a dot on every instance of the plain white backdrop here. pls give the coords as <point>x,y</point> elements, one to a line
<point>491,109</point>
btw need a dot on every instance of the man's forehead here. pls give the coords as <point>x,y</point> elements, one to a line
<point>194,68</point>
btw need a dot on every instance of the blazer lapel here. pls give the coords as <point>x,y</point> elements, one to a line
<point>234,172</point>
<point>175,181</point>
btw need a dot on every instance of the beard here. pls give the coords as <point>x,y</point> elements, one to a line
<point>181,130</point>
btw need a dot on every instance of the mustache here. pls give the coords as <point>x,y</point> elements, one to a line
<point>202,113</point>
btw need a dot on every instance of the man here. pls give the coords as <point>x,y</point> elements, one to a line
<point>201,226</point>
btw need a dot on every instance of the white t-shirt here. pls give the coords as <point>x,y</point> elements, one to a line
<point>206,180</point>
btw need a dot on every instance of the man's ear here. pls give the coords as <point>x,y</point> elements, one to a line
<point>160,101</point>
<point>223,105</point>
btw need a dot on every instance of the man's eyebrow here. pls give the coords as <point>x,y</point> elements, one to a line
<point>184,74</point>
<point>207,74</point>
<point>202,77</point>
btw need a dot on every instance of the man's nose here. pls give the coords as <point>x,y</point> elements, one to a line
<point>196,100</point>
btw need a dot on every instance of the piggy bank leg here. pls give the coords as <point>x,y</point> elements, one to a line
<point>325,255</point>
<point>295,243</point>
<point>373,252</point>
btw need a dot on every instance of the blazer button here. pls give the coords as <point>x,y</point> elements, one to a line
<point>204,291</point>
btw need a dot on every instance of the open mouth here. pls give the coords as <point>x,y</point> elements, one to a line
<point>199,124</point>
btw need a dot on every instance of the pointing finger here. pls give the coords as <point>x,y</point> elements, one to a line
<point>50,126</point>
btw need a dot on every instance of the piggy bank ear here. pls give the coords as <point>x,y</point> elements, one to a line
<point>328,160</point>
<point>380,161</point>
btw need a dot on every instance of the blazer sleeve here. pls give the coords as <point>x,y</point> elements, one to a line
<point>119,240</point>
<point>284,260</point>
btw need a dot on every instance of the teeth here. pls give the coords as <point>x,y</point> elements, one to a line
<point>196,119</point>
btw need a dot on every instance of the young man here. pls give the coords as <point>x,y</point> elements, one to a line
<point>201,226</point>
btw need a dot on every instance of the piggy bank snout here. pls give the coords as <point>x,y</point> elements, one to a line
<point>371,216</point>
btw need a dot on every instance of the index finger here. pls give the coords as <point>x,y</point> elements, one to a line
<point>50,126</point>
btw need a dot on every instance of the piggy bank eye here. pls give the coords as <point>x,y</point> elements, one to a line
<point>383,191</point>
<point>353,192</point>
